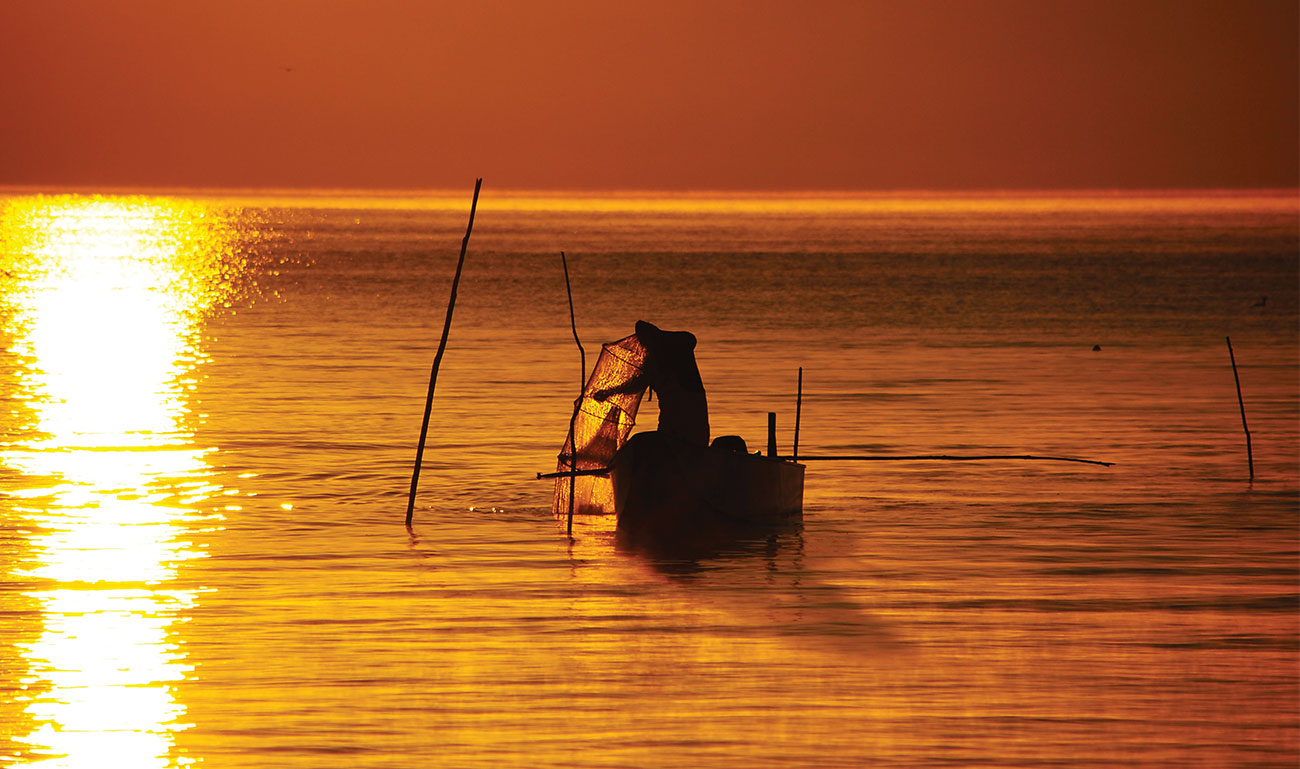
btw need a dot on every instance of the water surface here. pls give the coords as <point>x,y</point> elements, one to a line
<point>213,404</point>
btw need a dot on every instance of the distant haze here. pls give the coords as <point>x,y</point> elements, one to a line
<point>702,94</point>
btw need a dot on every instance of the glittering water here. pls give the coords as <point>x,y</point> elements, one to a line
<point>211,408</point>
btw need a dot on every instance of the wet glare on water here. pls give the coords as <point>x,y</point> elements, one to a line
<point>211,406</point>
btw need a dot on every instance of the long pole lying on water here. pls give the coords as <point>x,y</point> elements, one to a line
<point>577,404</point>
<point>1250,457</point>
<point>437,359</point>
<point>946,458</point>
<point>873,458</point>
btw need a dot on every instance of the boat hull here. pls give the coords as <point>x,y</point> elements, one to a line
<point>668,491</point>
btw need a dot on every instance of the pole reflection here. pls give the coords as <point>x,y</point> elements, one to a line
<point>101,309</point>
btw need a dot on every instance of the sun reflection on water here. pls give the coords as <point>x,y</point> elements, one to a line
<point>100,311</point>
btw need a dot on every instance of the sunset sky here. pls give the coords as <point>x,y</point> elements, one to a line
<point>701,94</point>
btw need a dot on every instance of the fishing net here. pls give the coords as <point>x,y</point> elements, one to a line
<point>600,428</point>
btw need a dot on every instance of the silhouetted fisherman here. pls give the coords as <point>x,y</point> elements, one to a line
<point>670,370</point>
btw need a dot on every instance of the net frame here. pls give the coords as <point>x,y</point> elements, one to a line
<point>600,428</point>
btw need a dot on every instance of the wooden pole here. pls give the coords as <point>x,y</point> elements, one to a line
<point>867,458</point>
<point>577,404</point>
<point>1250,457</point>
<point>798,407</point>
<point>945,458</point>
<point>571,473</point>
<point>771,433</point>
<point>437,359</point>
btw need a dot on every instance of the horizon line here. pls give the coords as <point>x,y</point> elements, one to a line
<point>632,192</point>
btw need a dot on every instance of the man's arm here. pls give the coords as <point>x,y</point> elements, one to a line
<point>633,385</point>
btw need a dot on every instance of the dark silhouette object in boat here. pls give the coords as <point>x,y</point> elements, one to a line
<point>668,483</point>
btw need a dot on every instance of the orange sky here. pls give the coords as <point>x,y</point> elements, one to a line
<point>701,94</point>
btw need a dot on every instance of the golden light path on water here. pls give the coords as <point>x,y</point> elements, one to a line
<point>102,302</point>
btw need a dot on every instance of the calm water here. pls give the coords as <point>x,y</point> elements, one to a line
<point>212,403</point>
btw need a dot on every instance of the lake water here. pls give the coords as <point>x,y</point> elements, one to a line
<point>212,402</point>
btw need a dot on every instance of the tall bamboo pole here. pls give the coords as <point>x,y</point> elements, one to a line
<point>437,359</point>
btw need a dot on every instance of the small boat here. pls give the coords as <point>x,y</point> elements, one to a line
<point>662,489</point>
<point>666,490</point>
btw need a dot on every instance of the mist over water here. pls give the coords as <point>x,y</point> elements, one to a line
<point>213,405</point>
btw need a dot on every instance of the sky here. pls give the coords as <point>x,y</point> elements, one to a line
<point>664,95</point>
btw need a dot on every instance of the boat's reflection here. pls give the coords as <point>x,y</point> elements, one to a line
<point>682,554</point>
<point>756,580</point>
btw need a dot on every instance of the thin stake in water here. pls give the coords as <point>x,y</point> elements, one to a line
<point>1250,457</point>
<point>771,433</point>
<point>577,404</point>
<point>437,359</point>
<point>798,408</point>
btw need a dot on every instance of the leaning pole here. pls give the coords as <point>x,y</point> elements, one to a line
<point>437,359</point>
